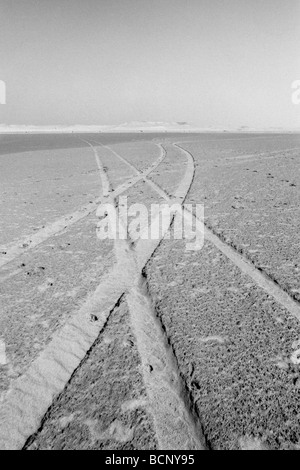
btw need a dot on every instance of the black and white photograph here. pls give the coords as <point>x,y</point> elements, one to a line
<point>149,227</point>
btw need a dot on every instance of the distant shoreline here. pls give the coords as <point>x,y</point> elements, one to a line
<point>146,131</point>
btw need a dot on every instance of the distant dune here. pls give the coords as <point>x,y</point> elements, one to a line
<point>133,126</point>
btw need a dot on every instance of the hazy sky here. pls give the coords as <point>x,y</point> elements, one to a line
<point>221,63</point>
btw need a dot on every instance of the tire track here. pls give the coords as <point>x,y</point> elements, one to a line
<point>174,425</point>
<point>260,278</point>
<point>31,395</point>
<point>180,193</point>
<point>8,254</point>
<point>246,266</point>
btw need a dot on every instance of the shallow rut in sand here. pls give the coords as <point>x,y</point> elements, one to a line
<point>246,266</point>
<point>31,395</point>
<point>175,426</point>
<point>10,252</point>
<point>260,278</point>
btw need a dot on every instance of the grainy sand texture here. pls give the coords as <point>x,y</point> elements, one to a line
<point>139,342</point>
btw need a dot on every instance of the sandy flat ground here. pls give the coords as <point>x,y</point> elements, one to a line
<point>153,320</point>
<point>39,187</point>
